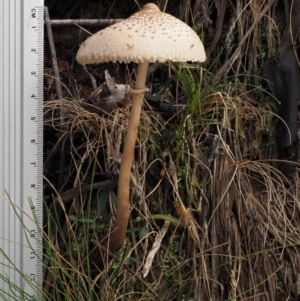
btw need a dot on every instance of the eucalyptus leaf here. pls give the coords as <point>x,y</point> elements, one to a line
<point>130,260</point>
<point>143,232</point>
<point>73,218</point>
<point>86,220</point>
<point>81,220</point>
<point>113,197</point>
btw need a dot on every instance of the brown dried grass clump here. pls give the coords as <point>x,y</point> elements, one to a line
<point>244,210</point>
<point>209,167</point>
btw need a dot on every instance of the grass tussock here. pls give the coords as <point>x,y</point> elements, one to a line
<point>206,173</point>
<point>212,171</point>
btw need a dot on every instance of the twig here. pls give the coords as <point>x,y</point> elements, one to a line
<point>53,54</point>
<point>94,241</point>
<point>67,196</point>
<point>236,53</point>
<point>94,82</point>
<point>230,39</point>
<point>221,8</point>
<point>58,91</point>
<point>74,8</point>
<point>81,22</point>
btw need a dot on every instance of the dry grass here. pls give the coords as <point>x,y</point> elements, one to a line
<point>245,212</point>
<point>212,164</point>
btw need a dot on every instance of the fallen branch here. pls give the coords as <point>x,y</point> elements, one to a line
<point>69,195</point>
<point>81,22</point>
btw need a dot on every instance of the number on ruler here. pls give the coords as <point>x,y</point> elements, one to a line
<point>33,13</point>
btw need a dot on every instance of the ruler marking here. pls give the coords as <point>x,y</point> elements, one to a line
<point>21,39</point>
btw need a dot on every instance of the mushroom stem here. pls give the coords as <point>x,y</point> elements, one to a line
<point>122,215</point>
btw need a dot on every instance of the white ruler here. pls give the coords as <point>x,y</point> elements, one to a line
<point>21,148</point>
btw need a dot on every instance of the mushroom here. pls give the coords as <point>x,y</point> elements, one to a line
<point>147,36</point>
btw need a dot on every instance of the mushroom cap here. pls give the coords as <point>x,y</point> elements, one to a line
<point>147,36</point>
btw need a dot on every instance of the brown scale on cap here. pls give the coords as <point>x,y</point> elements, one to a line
<point>146,31</point>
